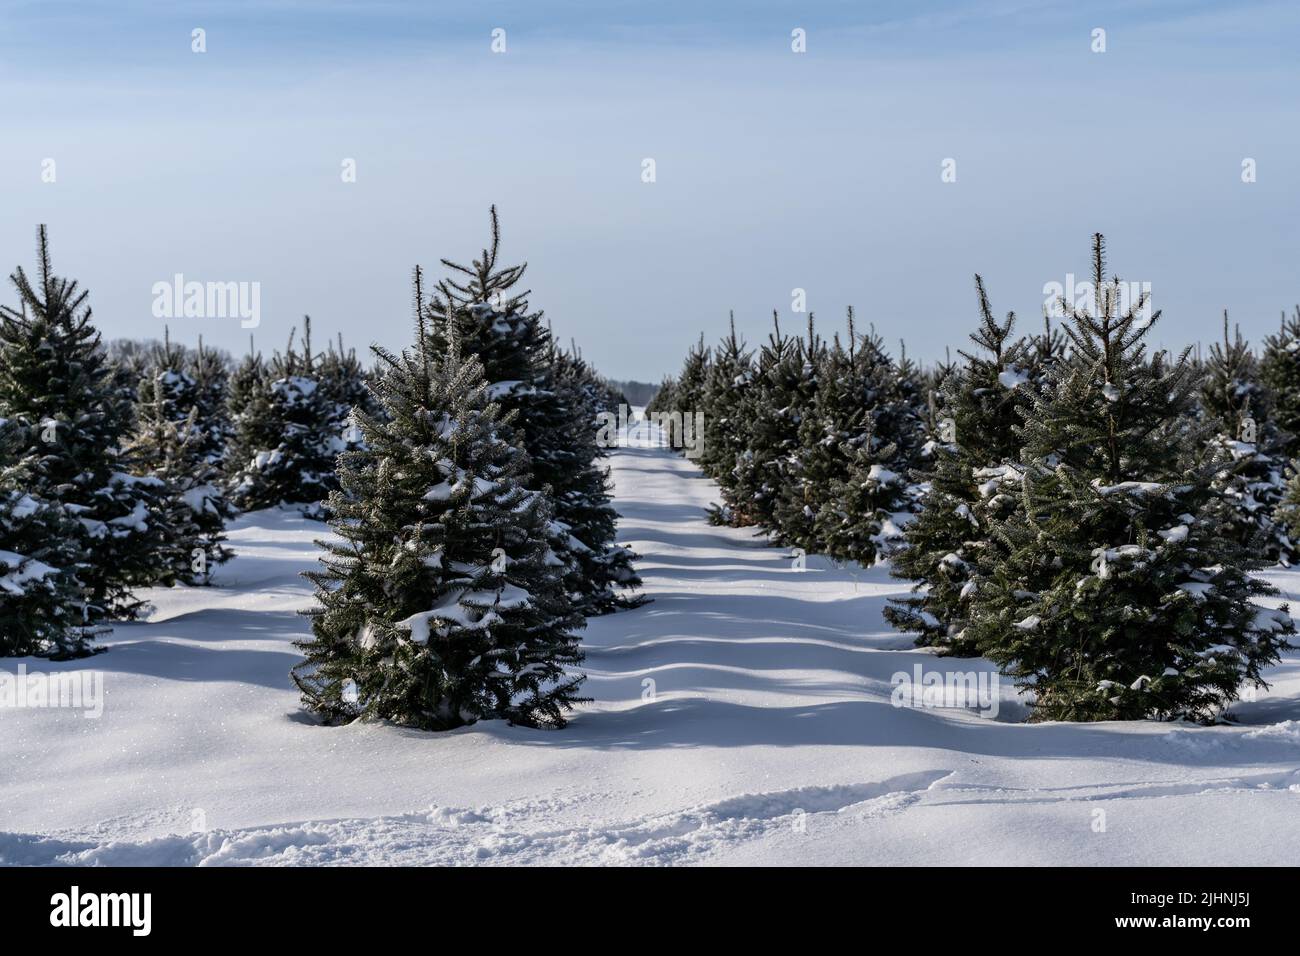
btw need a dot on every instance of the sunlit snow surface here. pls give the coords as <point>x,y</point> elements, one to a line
<point>742,717</point>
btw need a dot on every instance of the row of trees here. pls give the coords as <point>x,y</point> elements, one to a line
<point>119,467</point>
<point>1081,511</point>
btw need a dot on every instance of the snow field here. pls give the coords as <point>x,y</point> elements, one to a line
<point>743,717</point>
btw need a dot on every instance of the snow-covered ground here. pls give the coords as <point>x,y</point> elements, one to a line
<point>742,717</point>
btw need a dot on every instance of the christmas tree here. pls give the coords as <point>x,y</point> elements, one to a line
<point>442,604</point>
<point>794,479</point>
<point>1240,408</point>
<point>565,461</point>
<point>1279,373</point>
<point>72,423</point>
<point>726,432</point>
<point>974,449</point>
<point>173,443</point>
<point>344,386</point>
<point>1116,591</point>
<point>688,397</point>
<point>843,489</point>
<point>286,432</point>
<point>210,372</point>
<point>772,409</point>
<point>490,317</point>
<point>548,402</point>
<point>40,597</point>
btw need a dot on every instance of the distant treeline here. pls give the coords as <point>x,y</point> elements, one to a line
<point>638,393</point>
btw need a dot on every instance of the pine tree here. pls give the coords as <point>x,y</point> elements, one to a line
<point>40,597</point>
<point>209,369</point>
<point>900,420</point>
<point>441,605</point>
<point>244,391</point>
<point>680,398</point>
<point>663,400</point>
<point>773,408</point>
<point>844,491</point>
<point>173,443</point>
<point>1240,408</point>
<point>286,432</point>
<point>1279,372</point>
<point>58,388</point>
<point>1119,594</point>
<point>610,396</point>
<point>562,449</point>
<point>548,407</point>
<point>794,480</point>
<point>343,383</point>
<point>975,449</point>
<point>490,317</point>
<point>726,432</point>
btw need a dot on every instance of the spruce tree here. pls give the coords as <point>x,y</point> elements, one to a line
<point>565,460</point>
<point>900,419</point>
<point>482,308</point>
<point>726,431</point>
<point>209,369</point>
<point>441,604</point>
<point>548,407</point>
<point>1240,409</point>
<point>975,449</point>
<point>772,408</point>
<point>794,481</point>
<point>1279,372</point>
<point>688,395</point>
<point>844,492</point>
<point>1117,592</point>
<point>663,400</point>
<point>58,389</point>
<point>880,469</point>
<point>343,383</point>
<point>286,432</point>
<point>244,393</point>
<point>40,596</point>
<point>174,443</point>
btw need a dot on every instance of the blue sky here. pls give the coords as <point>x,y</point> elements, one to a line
<point>775,170</point>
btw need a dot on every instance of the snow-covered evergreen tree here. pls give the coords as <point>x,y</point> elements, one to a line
<point>1240,409</point>
<point>795,482</point>
<point>209,369</point>
<point>344,386</point>
<point>548,401</point>
<point>565,458</point>
<point>726,431</point>
<point>663,400</point>
<point>688,395</point>
<point>442,605</point>
<point>490,317</point>
<point>286,432</point>
<point>772,409</point>
<point>1279,373</point>
<point>974,451</point>
<point>40,597</point>
<point>58,389</point>
<point>174,443</point>
<point>845,488</point>
<point>1117,592</point>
